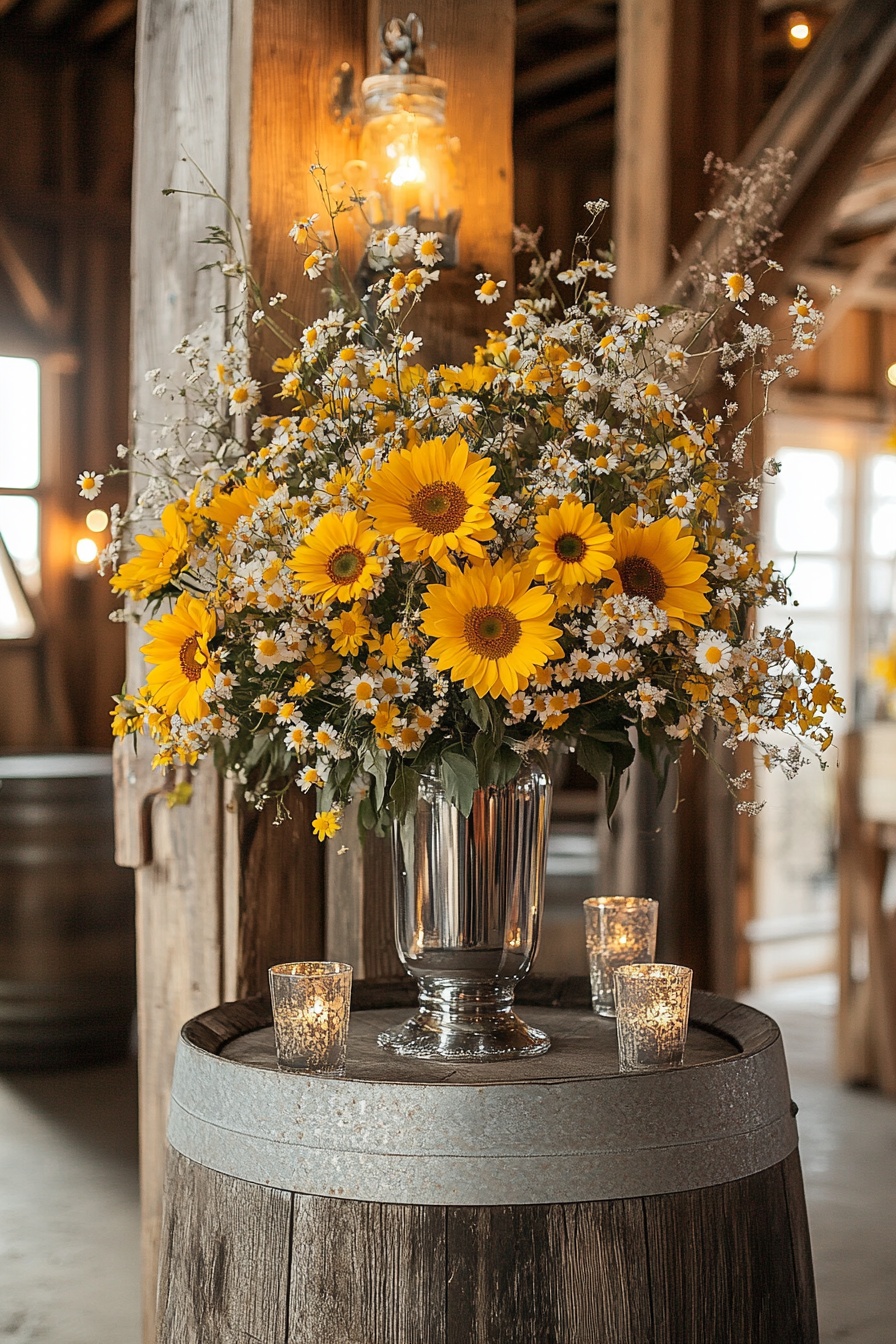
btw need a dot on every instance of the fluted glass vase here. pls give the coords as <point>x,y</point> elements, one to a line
<point>468,901</point>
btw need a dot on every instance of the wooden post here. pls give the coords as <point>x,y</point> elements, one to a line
<point>242,88</point>
<point>681,848</point>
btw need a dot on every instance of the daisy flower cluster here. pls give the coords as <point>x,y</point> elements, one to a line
<point>363,567</point>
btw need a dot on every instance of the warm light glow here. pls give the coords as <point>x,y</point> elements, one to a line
<point>408,169</point>
<point>891,375</point>
<point>799,30</point>
<point>86,550</point>
<point>97,520</point>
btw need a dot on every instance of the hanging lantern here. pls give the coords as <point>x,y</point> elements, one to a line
<point>408,165</point>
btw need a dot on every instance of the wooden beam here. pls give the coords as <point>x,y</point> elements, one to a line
<point>556,118</point>
<point>106,19</point>
<point>537,15</point>
<point>829,115</point>
<point>641,172</point>
<point>35,303</point>
<point>565,69</point>
<point>876,260</point>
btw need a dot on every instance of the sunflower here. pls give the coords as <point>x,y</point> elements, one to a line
<point>334,562</point>
<point>162,555</point>
<point>659,562</point>
<point>434,498</point>
<point>573,545</point>
<point>232,500</point>
<point>491,626</point>
<point>183,669</point>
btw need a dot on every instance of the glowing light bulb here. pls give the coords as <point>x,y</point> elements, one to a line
<point>408,169</point>
<point>86,550</point>
<point>891,375</point>
<point>799,30</point>
<point>97,520</point>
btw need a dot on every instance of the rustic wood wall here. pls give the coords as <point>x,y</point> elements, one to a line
<point>65,169</point>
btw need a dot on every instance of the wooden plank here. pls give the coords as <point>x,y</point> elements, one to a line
<point>182,91</point>
<point>273,891</point>
<point>641,171</point>
<point>225,1260</point>
<point>801,1248</point>
<point>178,976</point>
<point>555,1274</point>
<point>359,905</point>
<point>367,1274</point>
<point>716,1267</point>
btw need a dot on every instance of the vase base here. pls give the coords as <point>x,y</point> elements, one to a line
<point>427,1037</point>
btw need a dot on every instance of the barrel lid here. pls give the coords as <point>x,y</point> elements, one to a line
<point>558,1128</point>
<point>70,765</point>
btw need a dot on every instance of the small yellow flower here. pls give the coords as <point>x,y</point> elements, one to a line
<point>325,824</point>
<point>349,629</point>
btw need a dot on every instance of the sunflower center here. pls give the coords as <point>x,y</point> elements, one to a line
<point>438,507</point>
<point>191,660</point>
<point>641,578</point>
<point>492,632</point>
<point>345,564</point>
<point>570,548</point>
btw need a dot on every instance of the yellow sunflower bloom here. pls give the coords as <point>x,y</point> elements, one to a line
<point>162,555</point>
<point>349,629</point>
<point>232,500</point>
<point>491,627</point>
<point>334,562</point>
<point>572,545</point>
<point>660,563</point>
<point>183,668</point>
<point>434,498</point>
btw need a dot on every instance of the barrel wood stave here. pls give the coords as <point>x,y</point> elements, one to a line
<point>724,1262</point>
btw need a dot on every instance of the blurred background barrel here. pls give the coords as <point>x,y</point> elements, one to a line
<point>67,957</point>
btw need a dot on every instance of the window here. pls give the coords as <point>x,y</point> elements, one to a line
<point>20,465</point>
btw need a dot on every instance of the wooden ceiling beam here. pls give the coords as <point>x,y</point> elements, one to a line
<point>34,302</point>
<point>106,19</point>
<point>565,69</point>
<point>584,107</point>
<point>829,115</point>
<point>539,14</point>
<point>46,14</point>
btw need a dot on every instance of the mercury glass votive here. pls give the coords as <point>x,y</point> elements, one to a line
<point>311,1002</point>
<point>618,930</point>
<point>652,1004</point>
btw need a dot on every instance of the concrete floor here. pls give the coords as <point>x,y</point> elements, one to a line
<point>69,1215</point>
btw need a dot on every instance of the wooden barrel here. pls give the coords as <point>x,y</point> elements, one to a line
<point>67,962</point>
<point>541,1201</point>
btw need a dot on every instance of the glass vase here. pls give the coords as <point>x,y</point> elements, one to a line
<point>468,899</point>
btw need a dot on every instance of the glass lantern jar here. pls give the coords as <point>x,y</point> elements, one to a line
<point>408,159</point>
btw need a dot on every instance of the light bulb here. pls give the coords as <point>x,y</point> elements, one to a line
<point>891,375</point>
<point>799,30</point>
<point>86,550</point>
<point>97,520</point>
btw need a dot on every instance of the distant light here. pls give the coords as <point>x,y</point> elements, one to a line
<point>891,375</point>
<point>799,30</point>
<point>97,520</point>
<point>86,550</point>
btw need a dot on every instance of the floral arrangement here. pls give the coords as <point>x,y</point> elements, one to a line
<point>368,568</point>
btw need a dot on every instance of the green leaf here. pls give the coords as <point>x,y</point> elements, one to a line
<point>478,710</point>
<point>507,765</point>
<point>594,757</point>
<point>403,793</point>
<point>377,773</point>
<point>485,749</point>
<point>366,815</point>
<point>460,780</point>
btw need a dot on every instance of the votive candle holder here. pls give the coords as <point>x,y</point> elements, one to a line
<point>618,930</point>
<point>311,1002</point>
<point>652,1006</point>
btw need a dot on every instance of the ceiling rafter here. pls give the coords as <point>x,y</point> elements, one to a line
<point>565,69</point>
